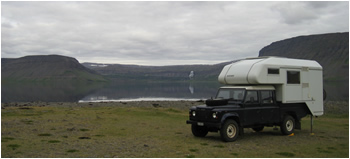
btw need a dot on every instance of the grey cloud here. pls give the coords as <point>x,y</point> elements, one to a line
<point>295,13</point>
<point>170,32</point>
<point>308,12</point>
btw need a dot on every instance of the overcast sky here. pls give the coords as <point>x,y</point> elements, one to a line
<point>161,33</point>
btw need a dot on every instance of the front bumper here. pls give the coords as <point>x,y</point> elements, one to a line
<point>207,124</point>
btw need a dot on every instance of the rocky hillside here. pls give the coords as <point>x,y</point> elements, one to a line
<point>45,68</point>
<point>330,50</point>
<point>177,72</point>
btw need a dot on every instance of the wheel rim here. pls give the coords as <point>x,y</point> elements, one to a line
<point>289,125</point>
<point>231,131</point>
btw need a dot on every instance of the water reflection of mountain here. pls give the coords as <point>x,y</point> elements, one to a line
<point>130,90</point>
<point>96,91</point>
<point>62,91</point>
<point>184,90</point>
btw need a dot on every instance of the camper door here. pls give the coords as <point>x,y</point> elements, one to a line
<point>293,88</point>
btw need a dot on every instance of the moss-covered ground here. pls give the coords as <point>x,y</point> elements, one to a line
<point>107,131</point>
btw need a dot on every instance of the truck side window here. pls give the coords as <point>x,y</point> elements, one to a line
<point>266,97</point>
<point>224,94</point>
<point>251,97</point>
<point>238,94</point>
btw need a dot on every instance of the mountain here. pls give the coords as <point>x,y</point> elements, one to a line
<point>46,68</point>
<point>330,50</point>
<point>176,72</point>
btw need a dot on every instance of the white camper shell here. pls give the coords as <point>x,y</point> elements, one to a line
<point>295,80</point>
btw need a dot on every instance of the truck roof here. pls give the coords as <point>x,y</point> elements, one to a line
<point>260,87</point>
<point>286,62</point>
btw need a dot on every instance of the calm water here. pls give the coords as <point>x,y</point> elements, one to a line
<point>118,91</point>
<point>153,91</point>
<point>129,91</point>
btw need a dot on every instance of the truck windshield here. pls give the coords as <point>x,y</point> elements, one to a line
<point>231,94</point>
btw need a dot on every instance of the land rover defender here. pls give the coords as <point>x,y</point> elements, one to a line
<point>260,92</point>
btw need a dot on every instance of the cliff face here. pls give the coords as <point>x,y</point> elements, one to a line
<point>177,72</point>
<point>50,67</point>
<point>330,50</point>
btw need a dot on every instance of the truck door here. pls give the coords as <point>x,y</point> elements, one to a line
<point>269,112</point>
<point>251,108</point>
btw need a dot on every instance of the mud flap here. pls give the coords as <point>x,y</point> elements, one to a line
<point>298,124</point>
<point>241,131</point>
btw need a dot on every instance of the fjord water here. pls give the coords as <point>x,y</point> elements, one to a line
<point>113,91</point>
<point>129,91</point>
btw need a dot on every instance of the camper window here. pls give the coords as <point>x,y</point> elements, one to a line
<point>293,77</point>
<point>273,71</point>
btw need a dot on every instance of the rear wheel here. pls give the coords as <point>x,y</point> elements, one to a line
<point>288,125</point>
<point>199,131</point>
<point>229,131</point>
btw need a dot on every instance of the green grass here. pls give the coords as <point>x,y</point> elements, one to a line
<point>234,154</point>
<point>72,150</point>
<point>13,146</point>
<point>84,129</point>
<point>286,154</point>
<point>45,134</point>
<point>193,150</point>
<point>219,146</point>
<point>54,141</point>
<point>6,139</point>
<point>155,132</point>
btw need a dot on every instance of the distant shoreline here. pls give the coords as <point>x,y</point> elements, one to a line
<point>144,100</point>
<point>330,107</point>
<point>183,104</point>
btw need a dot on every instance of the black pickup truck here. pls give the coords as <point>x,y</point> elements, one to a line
<point>238,107</point>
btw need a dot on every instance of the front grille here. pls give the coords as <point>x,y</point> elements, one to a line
<point>202,115</point>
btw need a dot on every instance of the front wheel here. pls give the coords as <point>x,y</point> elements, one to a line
<point>229,131</point>
<point>199,131</point>
<point>288,125</point>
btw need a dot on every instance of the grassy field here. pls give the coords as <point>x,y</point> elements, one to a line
<point>108,131</point>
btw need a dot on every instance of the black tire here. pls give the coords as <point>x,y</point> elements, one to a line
<point>199,131</point>
<point>229,131</point>
<point>258,129</point>
<point>288,125</point>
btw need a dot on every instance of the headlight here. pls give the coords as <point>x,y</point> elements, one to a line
<point>214,115</point>
<point>194,113</point>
